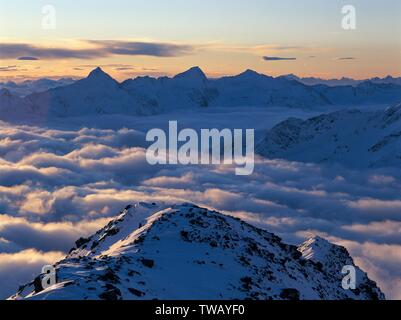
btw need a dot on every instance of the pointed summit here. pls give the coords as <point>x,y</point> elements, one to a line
<point>99,74</point>
<point>321,250</point>
<point>194,73</point>
<point>99,79</point>
<point>290,76</point>
<point>250,74</point>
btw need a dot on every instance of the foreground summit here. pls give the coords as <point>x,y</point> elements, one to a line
<point>188,252</point>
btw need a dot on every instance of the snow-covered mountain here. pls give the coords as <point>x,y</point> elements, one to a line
<point>311,81</point>
<point>27,87</point>
<point>100,94</point>
<point>97,94</point>
<point>193,89</point>
<point>351,137</point>
<point>254,89</point>
<point>365,93</point>
<point>153,251</point>
<point>190,89</point>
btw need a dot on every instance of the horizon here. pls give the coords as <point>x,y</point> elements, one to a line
<point>55,78</point>
<point>306,39</point>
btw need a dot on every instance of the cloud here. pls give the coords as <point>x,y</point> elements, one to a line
<point>143,48</point>
<point>115,66</point>
<point>263,48</point>
<point>124,68</point>
<point>19,268</point>
<point>381,261</point>
<point>53,236</point>
<point>346,58</point>
<point>266,58</point>
<point>9,68</point>
<point>16,50</point>
<point>59,183</point>
<point>28,58</point>
<point>97,49</point>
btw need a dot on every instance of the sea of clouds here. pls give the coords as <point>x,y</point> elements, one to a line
<point>59,184</point>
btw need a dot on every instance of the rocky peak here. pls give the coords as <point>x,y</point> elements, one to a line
<point>99,75</point>
<point>152,251</point>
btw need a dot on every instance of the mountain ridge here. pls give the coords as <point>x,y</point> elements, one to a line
<point>101,94</point>
<point>157,251</point>
<point>351,137</point>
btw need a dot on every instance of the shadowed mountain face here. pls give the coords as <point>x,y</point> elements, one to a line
<point>28,87</point>
<point>353,138</point>
<point>153,251</point>
<point>100,94</point>
<point>311,81</point>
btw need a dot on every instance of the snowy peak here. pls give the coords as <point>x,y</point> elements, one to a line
<point>290,76</point>
<point>321,250</point>
<point>343,81</point>
<point>131,218</point>
<point>99,75</point>
<point>101,94</point>
<point>353,138</point>
<point>194,77</point>
<point>27,87</point>
<point>183,252</point>
<point>250,74</point>
<point>332,259</point>
<point>192,73</point>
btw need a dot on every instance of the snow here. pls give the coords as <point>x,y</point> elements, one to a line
<point>30,86</point>
<point>187,252</point>
<point>351,137</point>
<point>342,81</point>
<point>100,94</point>
<point>356,138</point>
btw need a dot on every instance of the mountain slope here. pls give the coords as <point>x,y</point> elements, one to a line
<point>193,89</point>
<point>253,89</point>
<point>100,94</point>
<point>311,81</point>
<point>96,94</point>
<point>187,252</point>
<point>31,86</point>
<point>190,89</point>
<point>351,137</point>
<point>365,93</point>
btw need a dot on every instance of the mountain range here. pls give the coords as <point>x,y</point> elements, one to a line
<point>153,251</point>
<point>101,94</point>
<point>351,137</point>
<point>311,81</point>
<point>28,87</point>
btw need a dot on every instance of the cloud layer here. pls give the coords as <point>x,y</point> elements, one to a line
<point>93,49</point>
<point>57,185</point>
<point>268,58</point>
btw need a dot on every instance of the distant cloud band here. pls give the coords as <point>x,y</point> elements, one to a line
<point>101,49</point>
<point>28,58</point>
<point>266,58</point>
<point>346,58</point>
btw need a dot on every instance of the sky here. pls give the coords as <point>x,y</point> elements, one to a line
<point>158,37</point>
